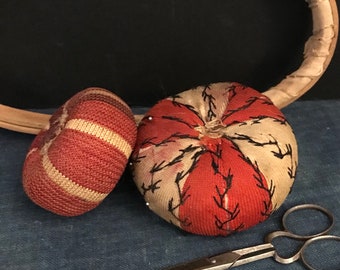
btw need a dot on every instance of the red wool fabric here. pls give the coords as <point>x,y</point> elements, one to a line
<point>74,164</point>
<point>215,159</point>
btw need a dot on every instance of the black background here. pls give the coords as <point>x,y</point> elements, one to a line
<point>145,50</point>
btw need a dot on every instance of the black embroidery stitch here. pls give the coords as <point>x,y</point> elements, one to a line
<point>223,224</point>
<point>183,194</point>
<point>232,92</point>
<point>158,167</point>
<point>152,187</point>
<point>268,205</point>
<point>260,182</point>
<point>169,139</point>
<point>210,99</point>
<point>189,107</point>
<point>248,103</point>
<point>279,153</point>
<point>292,170</point>
<point>219,200</point>
<point>179,120</point>
<point>258,119</point>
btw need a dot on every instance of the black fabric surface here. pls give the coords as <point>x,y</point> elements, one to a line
<point>145,50</point>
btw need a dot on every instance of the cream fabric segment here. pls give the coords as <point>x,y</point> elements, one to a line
<point>275,138</point>
<point>319,50</point>
<point>68,185</point>
<point>194,97</point>
<point>101,133</point>
<point>164,180</point>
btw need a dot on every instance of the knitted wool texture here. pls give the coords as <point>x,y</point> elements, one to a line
<point>216,159</point>
<point>74,164</point>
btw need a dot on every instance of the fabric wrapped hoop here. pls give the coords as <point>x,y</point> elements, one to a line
<point>319,50</point>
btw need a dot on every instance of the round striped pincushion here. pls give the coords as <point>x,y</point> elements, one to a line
<point>215,159</point>
<point>75,163</point>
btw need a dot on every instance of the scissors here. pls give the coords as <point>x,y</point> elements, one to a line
<point>250,254</point>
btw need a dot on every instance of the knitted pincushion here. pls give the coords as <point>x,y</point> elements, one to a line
<point>74,164</point>
<point>216,159</point>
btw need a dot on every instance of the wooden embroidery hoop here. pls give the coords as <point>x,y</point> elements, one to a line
<point>319,50</point>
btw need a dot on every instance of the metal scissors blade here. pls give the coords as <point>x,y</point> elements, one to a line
<point>229,259</point>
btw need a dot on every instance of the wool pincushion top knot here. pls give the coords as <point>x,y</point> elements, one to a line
<point>215,159</point>
<point>74,164</point>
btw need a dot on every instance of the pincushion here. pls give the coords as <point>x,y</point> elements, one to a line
<point>75,163</point>
<point>215,159</point>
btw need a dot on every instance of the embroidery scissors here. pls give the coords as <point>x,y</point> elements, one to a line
<point>250,254</point>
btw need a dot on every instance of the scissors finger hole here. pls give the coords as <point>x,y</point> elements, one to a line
<point>321,253</point>
<point>307,220</point>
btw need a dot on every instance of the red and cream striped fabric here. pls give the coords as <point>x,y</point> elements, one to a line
<point>74,164</point>
<point>215,159</point>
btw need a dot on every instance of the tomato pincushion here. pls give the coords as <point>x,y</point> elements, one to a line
<point>215,159</point>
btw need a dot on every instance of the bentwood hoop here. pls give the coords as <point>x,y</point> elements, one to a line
<point>319,50</point>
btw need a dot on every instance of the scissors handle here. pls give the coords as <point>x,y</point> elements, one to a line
<point>307,238</point>
<point>309,242</point>
<point>271,236</point>
<point>316,207</point>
